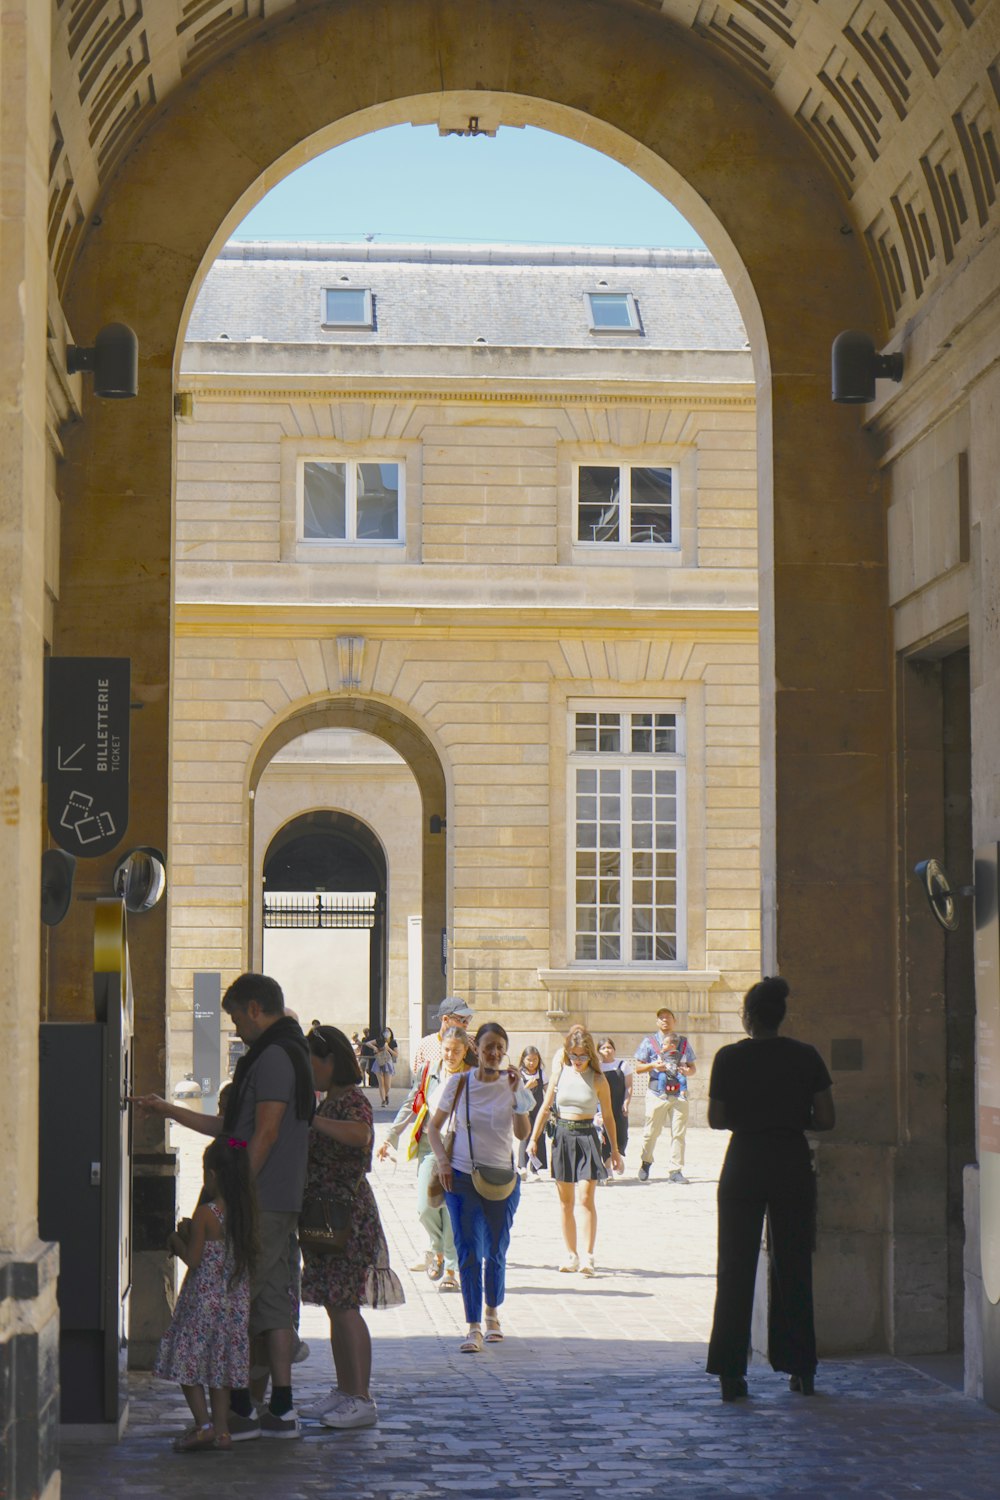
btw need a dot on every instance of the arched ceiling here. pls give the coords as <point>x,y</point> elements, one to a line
<point>900,98</point>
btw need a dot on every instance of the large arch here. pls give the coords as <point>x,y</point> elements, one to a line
<point>621,74</point>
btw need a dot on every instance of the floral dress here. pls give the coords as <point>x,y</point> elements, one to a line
<point>208,1341</point>
<point>360,1275</point>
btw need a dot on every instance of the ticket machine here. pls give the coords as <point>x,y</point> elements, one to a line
<point>85,1184</point>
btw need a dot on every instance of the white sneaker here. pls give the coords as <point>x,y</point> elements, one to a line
<point>353,1411</point>
<point>571,1263</point>
<point>329,1402</point>
<point>587,1267</point>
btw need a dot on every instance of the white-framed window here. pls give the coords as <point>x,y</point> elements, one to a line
<point>350,500</point>
<point>613,312</point>
<point>347,307</point>
<point>626,828</point>
<point>626,505</point>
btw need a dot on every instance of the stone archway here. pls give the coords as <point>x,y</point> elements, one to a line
<point>826,731</point>
<point>327,858</point>
<point>387,723</point>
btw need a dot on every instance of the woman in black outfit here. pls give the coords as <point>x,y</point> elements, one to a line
<point>768,1090</point>
<point>619,1077</point>
<point>533,1078</point>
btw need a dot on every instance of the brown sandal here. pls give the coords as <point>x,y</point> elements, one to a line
<point>196,1440</point>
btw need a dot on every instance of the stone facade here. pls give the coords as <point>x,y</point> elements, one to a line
<point>860,192</point>
<point>489,622</point>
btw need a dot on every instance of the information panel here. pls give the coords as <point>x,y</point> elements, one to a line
<point>87,749</point>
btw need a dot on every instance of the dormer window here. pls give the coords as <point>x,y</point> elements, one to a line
<point>348,307</point>
<point>613,312</point>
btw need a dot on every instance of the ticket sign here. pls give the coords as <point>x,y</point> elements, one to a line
<point>86,751</point>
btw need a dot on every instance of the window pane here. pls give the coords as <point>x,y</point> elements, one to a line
<point>611,309</point>
<point>586,948</point>
<point>611,948</point>
<point>586,835</point>
<point>324,501</point>
<point>348,307</point>
<point>599,504</point>
<point>586,892</point>
<point>586,862</point>
<point>586,808</point>
<point>609,739</point>
<point>642,734</point>
<point>611,862</point>
<point>586,781</point>
<point>666,949</point>
<point>378,502</point>
<point>652,512</point>
<point>642,949</point>
<point>642,864</point>
<point>666,734</point>
<point>586,731</point>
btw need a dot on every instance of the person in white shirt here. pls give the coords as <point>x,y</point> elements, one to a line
<point>578,1089</point>
<point>486,1109</point>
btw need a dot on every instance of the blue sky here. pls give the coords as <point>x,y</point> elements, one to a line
<point>409,183</point>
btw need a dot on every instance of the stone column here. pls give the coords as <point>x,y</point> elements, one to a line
<point>828,868</point>
<point>29,1325</point>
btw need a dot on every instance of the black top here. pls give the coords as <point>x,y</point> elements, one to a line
<point>768,1084</point>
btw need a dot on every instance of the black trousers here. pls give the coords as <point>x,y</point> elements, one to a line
<point>765,1175</point>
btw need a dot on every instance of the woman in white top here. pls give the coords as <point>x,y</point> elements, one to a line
<point>487,1108</point>
<point>578,1088</point>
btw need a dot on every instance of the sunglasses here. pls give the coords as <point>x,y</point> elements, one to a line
<point>579,1057</point>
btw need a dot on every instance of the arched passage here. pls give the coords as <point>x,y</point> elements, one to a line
<point>825,684</point>
<point>325,883</point>
<point>388,724</point>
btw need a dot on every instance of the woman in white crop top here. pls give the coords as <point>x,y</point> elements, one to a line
<point>487,1109</point>
<point>578,1089</point>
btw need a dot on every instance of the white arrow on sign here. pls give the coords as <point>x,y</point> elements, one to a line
<point>67,764</point>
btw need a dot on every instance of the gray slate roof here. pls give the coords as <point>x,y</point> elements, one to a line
<point>461,294</point>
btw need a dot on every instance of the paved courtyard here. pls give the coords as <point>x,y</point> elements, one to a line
<point>599,1389</point>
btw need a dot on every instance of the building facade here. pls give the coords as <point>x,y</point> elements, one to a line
<point>507,496</point>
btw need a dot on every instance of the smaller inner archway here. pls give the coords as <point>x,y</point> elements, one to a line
<point>325,895</point>
<point>348,795</point>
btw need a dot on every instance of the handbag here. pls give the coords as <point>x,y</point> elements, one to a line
<point>495,1183</point>
<point>325,1222</point>
<point>435,1192</point>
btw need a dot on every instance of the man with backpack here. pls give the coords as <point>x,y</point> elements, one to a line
<point>669,1061</point>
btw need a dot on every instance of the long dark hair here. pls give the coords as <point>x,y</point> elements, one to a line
<point>235,1186</point>
<point>330,1042</point>
<point>533,1052</point>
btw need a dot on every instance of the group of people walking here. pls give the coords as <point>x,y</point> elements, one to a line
<point>283,1173</point>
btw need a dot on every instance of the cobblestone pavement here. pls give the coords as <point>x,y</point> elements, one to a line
<point>598,1390</point>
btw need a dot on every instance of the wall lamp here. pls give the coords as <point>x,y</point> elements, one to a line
<point>113,362</point>
<point>856,367</point>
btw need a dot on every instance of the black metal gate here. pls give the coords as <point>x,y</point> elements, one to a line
<point>334,909</point>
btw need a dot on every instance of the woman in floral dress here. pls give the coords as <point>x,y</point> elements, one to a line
<point>340,1158</point>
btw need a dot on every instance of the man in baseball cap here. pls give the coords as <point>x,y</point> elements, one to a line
<point>453,1011</point>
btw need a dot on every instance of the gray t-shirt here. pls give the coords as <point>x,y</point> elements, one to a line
<point>282,1178</point>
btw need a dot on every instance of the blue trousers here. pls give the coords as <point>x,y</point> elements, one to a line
<point>482,1233</point>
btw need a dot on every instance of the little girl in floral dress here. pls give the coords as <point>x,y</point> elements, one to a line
<point>208,1341</point>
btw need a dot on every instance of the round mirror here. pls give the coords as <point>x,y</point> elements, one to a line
<point>140,879</point>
